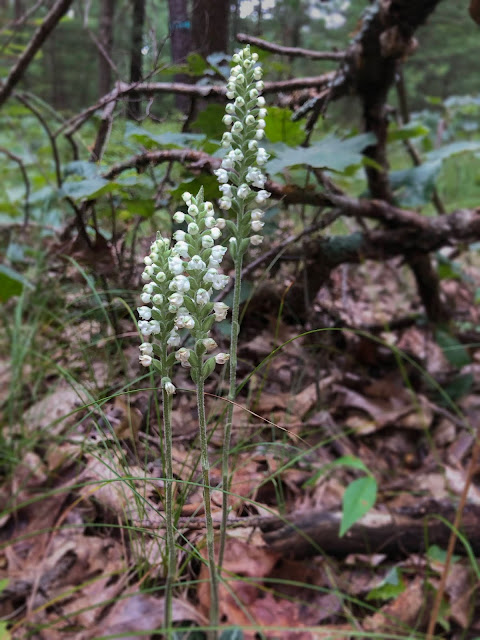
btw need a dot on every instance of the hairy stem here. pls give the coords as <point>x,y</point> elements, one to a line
<point>170,524</point>
<point>202,422</point>
<point>232,392</point>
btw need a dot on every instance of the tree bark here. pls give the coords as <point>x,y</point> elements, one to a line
<point>106,46</point>
<point>181,45</point>
<point>210,26</point>
<point>136,56</point>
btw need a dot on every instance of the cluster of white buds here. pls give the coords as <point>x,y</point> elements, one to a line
<point>240,176</point>
<point>180,282</point>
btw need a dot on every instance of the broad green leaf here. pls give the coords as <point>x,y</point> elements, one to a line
<point>209,121</point>
<point>209,184</point>
<point>345,461</point>
<point>281,128</point>
<point>410,130</point>
<point>197,65</point>
<point>437,554</point>
<point>81,168</point>
<point>11,283</point>
<point>140,206</point>
<point>150,140</point>
<point>458,387</point>
<point>452,149</point>
<point>358,499</point>
<point>452,349</point>
<point>331,153</point>
<point>86,189</point>
<point>390,587</point>
<point>414,187</point>
<point>450,269</point>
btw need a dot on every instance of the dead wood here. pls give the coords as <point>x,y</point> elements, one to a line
<point>396,534</point>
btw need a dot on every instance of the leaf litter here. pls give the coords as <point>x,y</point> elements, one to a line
<point>82,524</point>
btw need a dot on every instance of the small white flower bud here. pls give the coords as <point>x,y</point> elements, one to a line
<point>176,299</point>
<point>145,313</point>
<point>216,233</point>
<point>179,235</point>
<point>154,327</point>
<point>261,124</point>
<point>202,297</point>
<point>220,223</point>
<point>179,217</point>
<point>252,145</point>
<point>222,358</point>
<point>157,299</point>
<point>209,222</point>
<point>196,264</point>
<point>262,113</point>
<point>145,360</point>
<point>260,86</point>
<point>256,240</point>
<point>187,197</point>
<point>261,102</point>
<point>188,322</point>
<point>169,388</point>
<point>230,95</point>
<point>243,191</point>
<point>193,229</point>
<point>193,210</point>
<point>253,93</point>
<point>257,73</point>
<point>250,119</point>
<point>237,127</point>
<point>209,344</point>
<point>148,288</point>
<point>146,298</point>
<point>230,109</point>
<point>220,309</point>
<point>148,261</point>
<point>222,175</point>
<point>239,101</point>
<point>259,134</point>
<point>227,120</point>
<point>257,225</point>
<point>146,348</point>
<point>207,241</point>
<point>262,196</point>
<point>161,276</point>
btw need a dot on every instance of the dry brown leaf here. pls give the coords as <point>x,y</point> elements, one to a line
<point>406,611</point>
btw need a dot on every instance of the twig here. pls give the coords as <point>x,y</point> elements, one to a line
<point>103,133</point>
<point>293,52</point>
<point>21,166</point>
<point>58,10</point>
<point>56,157</point>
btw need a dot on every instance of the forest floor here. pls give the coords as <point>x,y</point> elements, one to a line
<point>374,393</point>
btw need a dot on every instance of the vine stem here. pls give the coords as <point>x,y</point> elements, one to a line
<point>170,524</point>
<point>202,422</point>
<point>232,392</point>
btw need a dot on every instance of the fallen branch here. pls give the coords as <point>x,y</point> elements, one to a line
<point>23,171</point>
<point>293,52</point>
<point>397,534</point>
<point>58,10</point>
<point>124,89</point>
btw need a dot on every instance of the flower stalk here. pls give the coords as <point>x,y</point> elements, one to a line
<point>242,185</point>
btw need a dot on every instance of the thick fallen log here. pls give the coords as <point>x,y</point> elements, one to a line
<point>395,534</point>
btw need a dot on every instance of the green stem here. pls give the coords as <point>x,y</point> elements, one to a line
<point>232,392</point>
<point>202,422</point>
<point>170,524</point>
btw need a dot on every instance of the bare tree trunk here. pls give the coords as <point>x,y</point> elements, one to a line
<point>136,56</point>
<point>106,44</point>
<point>210,26</point>
<point>181,44</point>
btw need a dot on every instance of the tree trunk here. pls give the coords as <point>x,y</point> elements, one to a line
<point>181,44</point>
<point>106,43</point>
<point>210,26</point>
<point>136,56</point>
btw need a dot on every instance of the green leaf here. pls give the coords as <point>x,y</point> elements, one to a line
<point>414,187</point>
<point>410,130</point>
<point>152,140</point>
<point>11,283</point>
<point>197,65</point>
<point>209,121</point>
<point>281,128</point>
<point>331,153</point>
<point>139,206</point>
<point>452,349</point>
<point>81,168</point>
<point>390,587</point>
<point>458,387</point>
<point>437,554</point>
<point>4,634</point>
<point>452,149</point>
<point>345,461</point>
<point>359,497</point>
<point>86,189</point>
